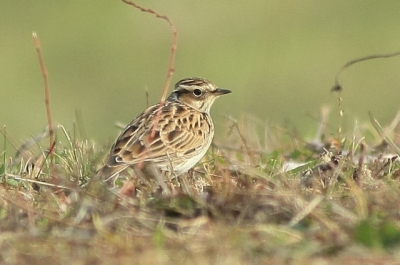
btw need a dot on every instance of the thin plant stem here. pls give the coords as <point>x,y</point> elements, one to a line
<point>47,99</point>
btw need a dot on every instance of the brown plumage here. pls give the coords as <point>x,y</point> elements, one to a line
<point>172,142</point>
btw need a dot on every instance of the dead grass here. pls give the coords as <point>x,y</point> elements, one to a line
<point>239,206</point>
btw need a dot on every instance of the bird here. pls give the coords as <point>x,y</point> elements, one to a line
<point>169,137</point>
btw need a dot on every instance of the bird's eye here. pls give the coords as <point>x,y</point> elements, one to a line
<point>197,92</point>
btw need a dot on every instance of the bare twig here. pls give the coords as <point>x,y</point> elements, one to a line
<point>46,86</point>
<point>171,67</point>
<point>51,155</point>
<point>338,86</point>
<point>47,99</point>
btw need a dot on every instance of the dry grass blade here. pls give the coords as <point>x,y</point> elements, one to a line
<point>384,136</point>
<point>15,177</point>
<point>307,210</point>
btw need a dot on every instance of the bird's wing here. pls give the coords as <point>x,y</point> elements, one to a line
<point>177,131</point>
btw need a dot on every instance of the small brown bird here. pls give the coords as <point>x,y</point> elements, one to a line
<point>167,138</point>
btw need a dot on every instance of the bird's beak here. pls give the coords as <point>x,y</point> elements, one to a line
<point>221,91</point>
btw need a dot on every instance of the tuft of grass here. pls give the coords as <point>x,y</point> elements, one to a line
<point>248,201</point>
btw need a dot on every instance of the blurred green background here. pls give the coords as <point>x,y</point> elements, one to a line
<point>279,58</point>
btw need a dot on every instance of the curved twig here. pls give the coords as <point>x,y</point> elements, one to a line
<point>338,86</point>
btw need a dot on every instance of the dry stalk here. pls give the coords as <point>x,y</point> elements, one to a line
<point>339,88</point>
<point>171,68</point>
<point>47,100</point>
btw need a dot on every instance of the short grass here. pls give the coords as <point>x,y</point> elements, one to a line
<point>275,199</point>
